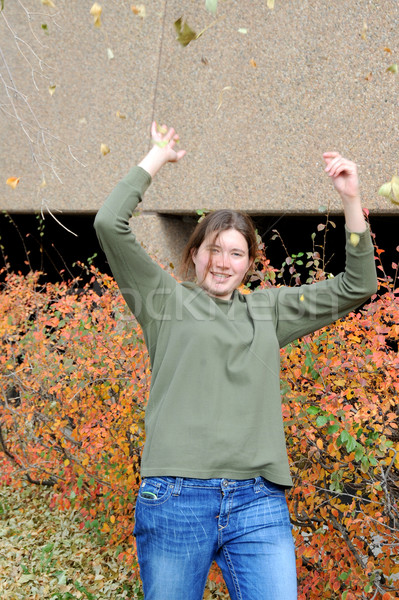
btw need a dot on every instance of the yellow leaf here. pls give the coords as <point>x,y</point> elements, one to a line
<point>95,11</point>
<point>85,461</point>
<point>185,34</point>
<point>139,10</point>
<point>354,239</point>
<point>252,63</point>
<point>364,30</point>
<point>302,298</point>
<point>393,69</point>
<point>112,519</point>
<point>13,182</point>
<point>66,462</point>
<point>270,4</point>
<point>51,89</point>
<point>48,3</point>
<point>104,149</point>
<point>319,444</point>
<point>43,183</point>
<point>395,187</point>
<point>118,114</point>
<point>105,529</point>
<point>227,87</point>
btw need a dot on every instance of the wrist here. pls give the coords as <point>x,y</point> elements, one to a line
<point>154,160</point>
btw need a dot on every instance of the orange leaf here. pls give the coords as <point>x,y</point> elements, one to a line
<point>13,182</point>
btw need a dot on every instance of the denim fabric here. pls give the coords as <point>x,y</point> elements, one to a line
<point>182,525</point>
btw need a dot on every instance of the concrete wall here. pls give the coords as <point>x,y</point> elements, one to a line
<point>254,110</point>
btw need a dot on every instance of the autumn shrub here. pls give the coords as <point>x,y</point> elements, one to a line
<point>74,379</point>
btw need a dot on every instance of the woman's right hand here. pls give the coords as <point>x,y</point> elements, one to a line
<point>164,140</point>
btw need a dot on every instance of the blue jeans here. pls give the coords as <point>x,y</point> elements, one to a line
<point>183,525</point>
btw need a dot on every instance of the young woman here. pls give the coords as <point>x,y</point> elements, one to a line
<point>214,465</point>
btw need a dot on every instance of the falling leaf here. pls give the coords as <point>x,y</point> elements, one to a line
<point>83,121</point>
<point>390,190</point>
<point>242,30</point>
<point>48,3</point>
<point>354,239</point>
<point>95,11</point>
<point>139,10</point>
<point>45,27</point>
<point>119,115</point>
<point>105,149</point>
<point>51,89</point>
<point>252,63</point>
<point>110,54</point>
<point>302,298</point>
<point>270,4</point>
<point>211,5</point>
<point>221,96</point>
<point>369,76</point>
<point>204,60</point>
<point>388,50</point>
<point>185,34</point>
<point>43,183</point>
<point>364,31</point>
<point>13,182</point>
<point>393,69</point>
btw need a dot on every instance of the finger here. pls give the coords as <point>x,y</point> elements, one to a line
<point>344,166</point>
<point>330,154</point>
<point>153,128</point>
<point>340,163</point>
<point>180,154</point>
<point>170,134</point>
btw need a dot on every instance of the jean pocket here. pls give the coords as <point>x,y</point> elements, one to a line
<point>154,490</point>
<point>272,489</point>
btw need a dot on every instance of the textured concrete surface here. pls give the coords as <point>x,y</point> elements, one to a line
<point>254,110</point>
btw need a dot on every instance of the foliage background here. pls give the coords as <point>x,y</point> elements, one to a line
<point>74,378</point>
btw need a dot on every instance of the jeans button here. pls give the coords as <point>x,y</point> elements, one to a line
<point>225,483</point>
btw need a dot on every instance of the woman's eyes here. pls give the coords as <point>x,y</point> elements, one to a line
<point>217,251</point>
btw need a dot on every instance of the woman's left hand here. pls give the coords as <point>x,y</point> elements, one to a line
<point>344,175</point>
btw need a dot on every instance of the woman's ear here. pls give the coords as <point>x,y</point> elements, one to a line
<point>193,253</point>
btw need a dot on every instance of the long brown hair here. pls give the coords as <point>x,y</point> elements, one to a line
<point>215,222</point>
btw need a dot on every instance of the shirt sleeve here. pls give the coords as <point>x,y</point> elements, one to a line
<point>304,309</point>
<point>142,282</point>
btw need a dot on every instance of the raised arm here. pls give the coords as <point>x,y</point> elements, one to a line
<point>143,283</point>
<point>301,310</point>
<point>343,173</point>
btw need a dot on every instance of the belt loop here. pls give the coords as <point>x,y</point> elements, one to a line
<point>177,486</point>
<point>257,484</point>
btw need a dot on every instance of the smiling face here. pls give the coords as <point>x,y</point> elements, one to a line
<point>221,263</point>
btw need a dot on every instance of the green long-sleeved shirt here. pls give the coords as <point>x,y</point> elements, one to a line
<point>214,408</point>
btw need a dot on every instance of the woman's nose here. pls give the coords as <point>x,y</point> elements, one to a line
<point>223,260</point>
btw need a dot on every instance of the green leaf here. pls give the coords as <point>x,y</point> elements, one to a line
<point>359,453</point>
<point>333,428</point>
<point>393,69</point>
<point>321,420</point>
<point>185,34</point>
<point>313,410</point>
<point>211,5</point>
<point>1,5</point>
<point>344,437</point>
<point>351,444</point>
